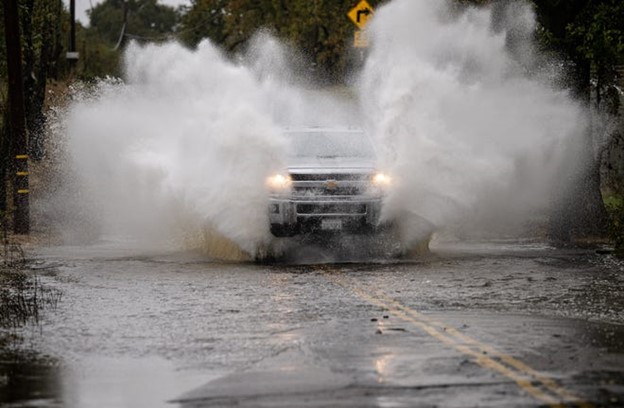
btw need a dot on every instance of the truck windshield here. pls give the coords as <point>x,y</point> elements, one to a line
<point>330,144</point>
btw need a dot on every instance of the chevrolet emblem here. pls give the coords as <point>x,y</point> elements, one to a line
<point>331,185</point>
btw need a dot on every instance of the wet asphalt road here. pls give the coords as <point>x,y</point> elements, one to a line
<point>481,324</point>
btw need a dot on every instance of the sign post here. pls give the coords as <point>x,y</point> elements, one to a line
<point>360,15</point>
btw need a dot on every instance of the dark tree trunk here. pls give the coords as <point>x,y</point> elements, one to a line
<point>36,117</point>
<point>17,121</point>
<point>5,159</point>
<point>36,68</point>
<point>579,210</point>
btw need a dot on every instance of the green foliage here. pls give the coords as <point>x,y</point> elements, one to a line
<point>40,32</point>
<point>106,20</point>
<point>615,208</point>
<point>204,19</point>
<point>326,34</point>
<point>101,44</point>
<point>587,36</point>
<point>599,37</point>
<point>600,33</point>
<point>98,58</point>
<point>590,36</point>
<point>146,20</point>
<point>320,29</point>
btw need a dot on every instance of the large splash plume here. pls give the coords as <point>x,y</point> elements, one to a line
<point>186,142</point>
<point>178,153</point>
<point>464,114</point>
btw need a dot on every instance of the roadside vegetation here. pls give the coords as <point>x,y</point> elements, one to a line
<point>586,37</point>
<point>23,302</point>
<point>615,208</point>
<point>23,298</point>
<point>19,299</point>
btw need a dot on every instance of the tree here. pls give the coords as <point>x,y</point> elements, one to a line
<point>16,118</point>
<point>599,36</point>
<point>588,36</point>
<point>146,20</point>
<point>41,29</point>
<point>40,26</point>
<point>320,29</point>
<point>204,19</point>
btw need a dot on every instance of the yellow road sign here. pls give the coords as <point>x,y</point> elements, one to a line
<point>360,14</point>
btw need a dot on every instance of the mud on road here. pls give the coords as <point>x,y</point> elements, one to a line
<point>488,324</point>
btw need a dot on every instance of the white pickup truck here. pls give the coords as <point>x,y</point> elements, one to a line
<point>331,184</point>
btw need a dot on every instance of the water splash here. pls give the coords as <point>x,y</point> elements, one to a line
<point>186,141</point>
<point>463,109</point>
<point>465,112</point>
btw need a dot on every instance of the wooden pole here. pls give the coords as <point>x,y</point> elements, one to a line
<point>72,55</point>
<point>17,118</point>
<point>72,26</point>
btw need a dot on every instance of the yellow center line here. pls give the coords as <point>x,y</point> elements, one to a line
<point>531,381</point>
<point>515,363</point>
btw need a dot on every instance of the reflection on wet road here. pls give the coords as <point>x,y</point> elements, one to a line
<point>493,324</point>
<point>531,381</point>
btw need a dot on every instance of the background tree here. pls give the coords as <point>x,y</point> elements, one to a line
<point>41,28</point>
<point>204,19</point>
<point>98,58</point>
<point>588,36</point>
<point>112,24</point>
<point>320,29</point>
<point>146,20</point>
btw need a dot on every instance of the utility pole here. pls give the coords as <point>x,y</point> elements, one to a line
<point>72,30</point>
<point>72,55</point>
<point>17,118</point>
<point>122,34</point>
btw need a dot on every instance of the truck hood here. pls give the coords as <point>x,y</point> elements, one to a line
<point>331,165</point>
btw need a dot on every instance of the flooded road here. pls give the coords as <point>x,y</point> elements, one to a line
<point>486,324</point>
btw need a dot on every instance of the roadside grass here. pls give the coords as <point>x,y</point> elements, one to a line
<point>24,371</point>
<point>615,208</point>
<point>22,296</point>
<point>18,298</point>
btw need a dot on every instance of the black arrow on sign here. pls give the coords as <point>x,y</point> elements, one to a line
<point>366,12</point>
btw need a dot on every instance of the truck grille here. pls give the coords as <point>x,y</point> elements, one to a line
<point>339,191</point>
<point>333,208</point>
<point>333,184</point>
<point>325,177</point>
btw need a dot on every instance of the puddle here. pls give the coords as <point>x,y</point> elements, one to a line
<point>94,382</point>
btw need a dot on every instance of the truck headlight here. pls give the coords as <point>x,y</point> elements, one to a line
<point>381,180</point>
<point>279,182</point>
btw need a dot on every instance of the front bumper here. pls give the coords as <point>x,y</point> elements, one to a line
<point>298,215</point>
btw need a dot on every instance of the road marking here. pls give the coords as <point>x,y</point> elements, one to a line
<point>542,388</point>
